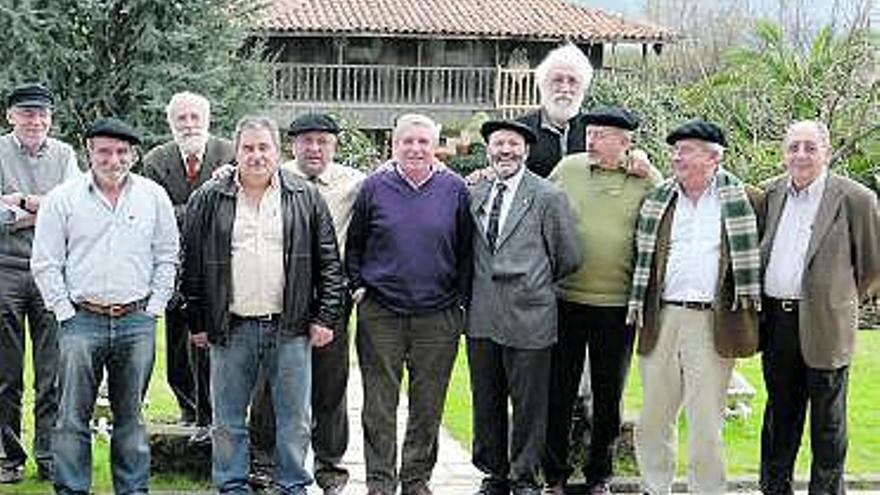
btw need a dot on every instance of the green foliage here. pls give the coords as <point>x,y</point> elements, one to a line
<point>355,148</point>
<point>127,57</point>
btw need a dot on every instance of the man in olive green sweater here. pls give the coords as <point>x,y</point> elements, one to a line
<point>592,306</point>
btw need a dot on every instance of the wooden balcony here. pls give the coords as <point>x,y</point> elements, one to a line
<point>374,94</point>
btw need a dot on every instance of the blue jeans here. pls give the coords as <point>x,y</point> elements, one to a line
<point>126,346</point>
<point>252,345</point>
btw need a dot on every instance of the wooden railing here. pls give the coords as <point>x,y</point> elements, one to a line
<point>476,88</point>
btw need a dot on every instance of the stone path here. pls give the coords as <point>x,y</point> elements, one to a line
<point>453,475</point>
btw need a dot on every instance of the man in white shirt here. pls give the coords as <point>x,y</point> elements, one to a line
<point>694,297</point>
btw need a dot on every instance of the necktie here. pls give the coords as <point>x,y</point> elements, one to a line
<point>495,216</point>
<point>192,168</point>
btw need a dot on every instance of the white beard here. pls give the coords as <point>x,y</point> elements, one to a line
<point>191,145</point>
<point>561,112</point>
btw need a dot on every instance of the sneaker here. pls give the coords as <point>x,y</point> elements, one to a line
<point>11,474</point>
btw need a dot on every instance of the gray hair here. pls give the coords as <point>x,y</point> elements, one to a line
<point>821,128</point>
<point>567,55</point>
<point>258,123</point>
<point>416,119</point>
<point>184,97</point>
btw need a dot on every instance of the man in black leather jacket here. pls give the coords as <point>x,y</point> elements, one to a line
<point>263,283</point>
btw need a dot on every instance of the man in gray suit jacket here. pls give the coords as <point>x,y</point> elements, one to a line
<point>821,253</point>
<point>525,242</point>
<point>180,166</point>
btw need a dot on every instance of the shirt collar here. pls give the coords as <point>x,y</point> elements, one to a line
<point>40,149</point>
<point>511,182</point>
<point>325,178</point>
<point>710,191</point>
<point>274,182</point>
<point>815,188</point>
<point>432,169</point>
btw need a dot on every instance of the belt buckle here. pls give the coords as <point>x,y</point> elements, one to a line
<point>787,305</point>
<point>268,317</point>
<point>117,310</point>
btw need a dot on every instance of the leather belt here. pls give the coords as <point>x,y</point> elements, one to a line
<point>695,305</point>
<point>112,310</point>
<point>268,318</point>
<point>783,305</point>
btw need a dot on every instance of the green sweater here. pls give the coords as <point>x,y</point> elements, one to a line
<point>606,204</point>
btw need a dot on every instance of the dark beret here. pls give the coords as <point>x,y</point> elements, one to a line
<point>313,122</point>
<point>30,95</point>
<point>611,116</point>
<point>115,128</point>
<point>697,129</point>
<point>523,130</point>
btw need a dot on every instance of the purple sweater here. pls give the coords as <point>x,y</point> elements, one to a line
<point>411,248</point>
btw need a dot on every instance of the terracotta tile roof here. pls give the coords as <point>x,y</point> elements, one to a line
<point>524,19</point>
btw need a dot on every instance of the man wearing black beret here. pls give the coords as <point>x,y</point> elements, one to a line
<point>31,165</point>
<point>694,298</point>
<point>523,244</point>
<point>592,301</point>
<point>105,257</point>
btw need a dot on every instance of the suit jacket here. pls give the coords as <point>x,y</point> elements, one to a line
<point>841,269</point>
<point>735,332</point>
<point>513,301</point>
<point>164,165</point>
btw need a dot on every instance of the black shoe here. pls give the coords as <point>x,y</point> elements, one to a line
<point>45,470</point>
<point>11,474</point>
<point>260,479</point>
<point>201,438</point>
<point>493,486</point>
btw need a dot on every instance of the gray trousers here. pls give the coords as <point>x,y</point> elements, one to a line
<point>20,302</point>
<point>426,345</point>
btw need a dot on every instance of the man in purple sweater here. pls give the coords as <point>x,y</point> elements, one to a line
<point>408,259</point>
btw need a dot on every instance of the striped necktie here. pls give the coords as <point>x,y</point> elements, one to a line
<point>495,215</point>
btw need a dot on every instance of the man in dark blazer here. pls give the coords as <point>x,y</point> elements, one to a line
<point>525,242</point>
<point>821,258</point>
<point>181,166</point>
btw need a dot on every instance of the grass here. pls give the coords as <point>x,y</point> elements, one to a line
<point>161,408</point>
<point>742,436</point>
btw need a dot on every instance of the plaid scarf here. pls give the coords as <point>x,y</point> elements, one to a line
<point>741,228</point>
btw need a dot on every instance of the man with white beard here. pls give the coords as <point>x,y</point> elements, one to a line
<point>181,166</point>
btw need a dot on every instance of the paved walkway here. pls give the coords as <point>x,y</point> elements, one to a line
<point>453,475</point>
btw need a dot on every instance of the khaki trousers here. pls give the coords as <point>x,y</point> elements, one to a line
<point>683,370</point>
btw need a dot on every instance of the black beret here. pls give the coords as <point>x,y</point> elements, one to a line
<point>313,122</point>
<point>523,130</point>
<point>611,116</point>
<point>115,128</point>
<point>30,95</point>
<point>697,129</point>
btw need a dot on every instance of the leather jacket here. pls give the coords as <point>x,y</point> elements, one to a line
<point>313,287</point>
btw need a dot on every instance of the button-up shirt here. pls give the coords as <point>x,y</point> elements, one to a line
<point>258,253</point>
<point>87,249</point>
<point>695,248</point>
<point>339,186</point>
<point>785,267</point>
<point>512,184</point>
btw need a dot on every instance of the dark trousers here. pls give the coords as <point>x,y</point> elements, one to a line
<point>188,369</point>
<point>791,386</point>
<point>427,345</point>
<point>330,369</point>
<point>610,343</point>
<point>20,301</point>
<point>497,373</point>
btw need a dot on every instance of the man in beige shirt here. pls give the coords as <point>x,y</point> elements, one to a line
<point>314,141</point>
<point>262,286</point>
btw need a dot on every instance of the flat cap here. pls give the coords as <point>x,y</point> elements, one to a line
<point>313,122</point>
<point>611,116</point>
<point>115,128</point>
<point>697,129</point>
<point>523,130</point>
<point>30,95</point>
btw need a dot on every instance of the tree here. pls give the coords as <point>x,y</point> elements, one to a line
<point>127,57</point>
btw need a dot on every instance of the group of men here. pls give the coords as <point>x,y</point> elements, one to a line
<point>568,244</point>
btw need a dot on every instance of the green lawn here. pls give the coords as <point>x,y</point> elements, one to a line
<point>161,408</point>
<point>742,437</point>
